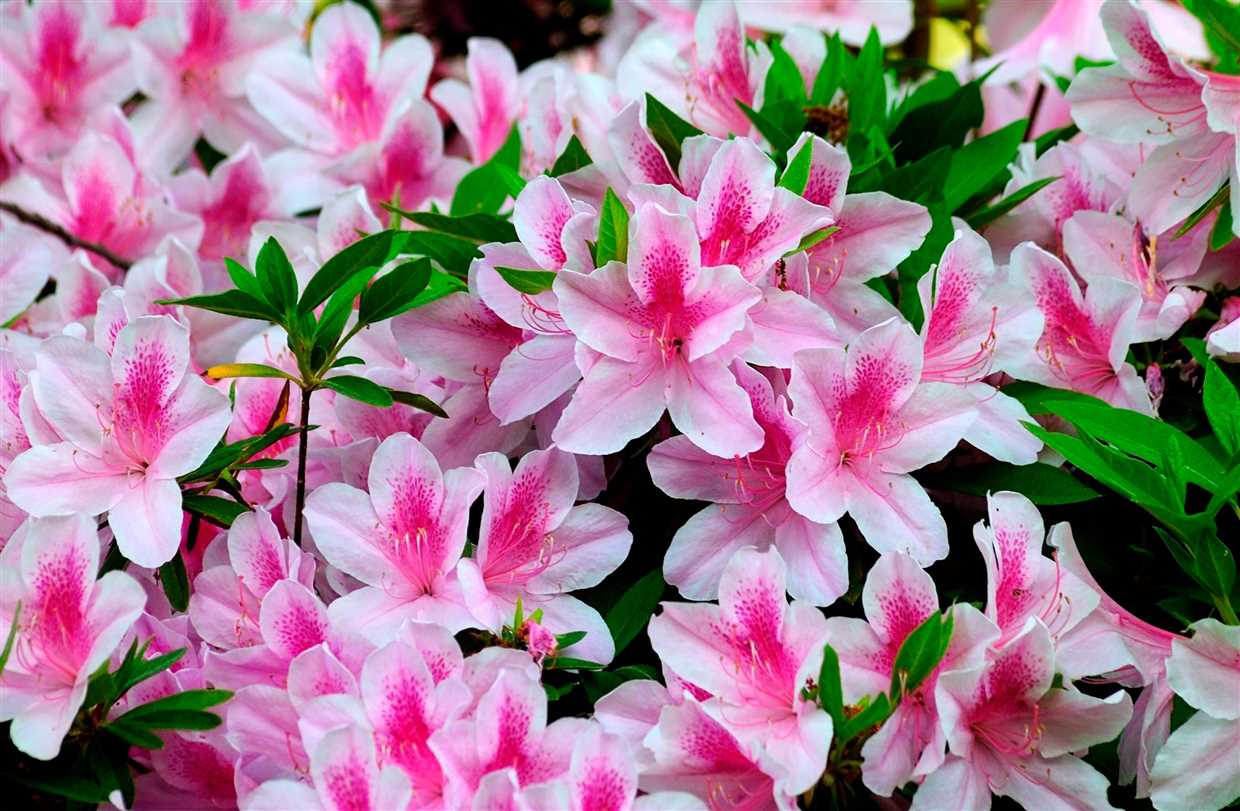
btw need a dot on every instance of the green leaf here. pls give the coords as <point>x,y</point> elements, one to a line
<point>484,189</point>
<point>452,253</point>
<point>866,86</point>
<point>830,689</point>
<point>1052,137</point>
<point>573,157</point>
<point>11,637</point>
<point>530,282</point>
<point>1223,232</point>
<point>418,401</point>
<point>360,389</point>
<point>830,74</point>
<point>368,252</point>
<point>920,653</point>
<point>922,181</point>
<point>137,670</point>
<point>632,611</point>
<point>394,292</point>
<point>932,121</point>
<point>230,302</point>
<point>174,719</point>
<point>783,79</point>
<point>878,710</point>
<point>134,734</point>
<point>773,125</point>
<point>476,228</point>
<point>571,638</point>
<point>1216,201</point>
<point>335,316</point>
<point>1216,568</point>
<point>1221,21</point>
<point>668,129</point>
<point>1222,405</point>
<point>980,219</point>
<point>796,174</point>
<point>184,701</point>
<point>219,511</point>
<point>810,240</point>
<point>175,582</point>
<point>919,262</point>
<point>348,360</point>
<point>613,231</point>
<point>1042,484</point>
<point>569,663</point>
<point>243,279</point>
<point>275,275</point>
<point>982,163</point>
<point>69,786</point>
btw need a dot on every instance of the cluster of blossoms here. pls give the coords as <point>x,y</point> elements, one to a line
<point>713,309</point>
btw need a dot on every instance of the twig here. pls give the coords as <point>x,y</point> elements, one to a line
<point>1034,108</point>
<point>303,430</point>
<point>44,224</point>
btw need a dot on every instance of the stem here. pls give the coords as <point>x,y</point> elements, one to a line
<point>303,431</point>
<point>1034,108</point>
<point>46,225</point>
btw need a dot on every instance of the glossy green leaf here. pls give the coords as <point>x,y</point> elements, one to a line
<point>484,189</point>
<point>982,163</point>
<point>920,653</point>
<point>830,688</point>
<point>573,157</point>
<point>983,217</point>
<point>11,637</point>
<point>1042,484</point>
<point>668,129</point>
<point>530,282</point>
<point>243,279</point>
<point>230,302</point>
<point>175,582</point>
<point>219,511</point>
<point>395,292</point>
<point>613,231</point>
<point>368,252</point>
<point>418,401</point>
<point>360,389</point>
<point>796,174</point>
<point>1222,405</point>
<point>275,275</point>
<point>631,613</point>
<point>476,228</point>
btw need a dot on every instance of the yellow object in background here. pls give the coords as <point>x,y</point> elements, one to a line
<point>949,43</point>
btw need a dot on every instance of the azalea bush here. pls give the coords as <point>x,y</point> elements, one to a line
<point>745,405</point>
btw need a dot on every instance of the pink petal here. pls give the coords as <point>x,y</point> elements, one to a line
<point>708,406</point>
<point>598,307</point>
<point>701,549</point>
<point>894,513</point>
<point>146,521</point>
<point>540,213</point>
<point>616,402</point>
<point>292,619</point>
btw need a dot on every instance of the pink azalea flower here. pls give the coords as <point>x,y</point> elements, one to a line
<point>132,423</point>
<point>875,232</point>
<point>1150,97</point>
<point>349,91</point>
<point>979,321</point>
<point>1085,338</point>
<point>749,508</point>
<point>851,19</point>
<point>69,625</point>
<point>26,256</point>
<point>229,202</point>
<point>1021,582</point>
<point>1011,734</point>
<point>344,774</point>
<point>666,329</point>
<point>898,596</point>
<point>1107,246</point>
<point>60,65</point>
<point>484,109</point>
<point>534,545</point>
<point>872,422</point>
<point>192,66</point>
<point>702,79</point>
<point>402,539</point>
<point>1195,769</point>
<point>505,745</point>
<point>753,653</point>
<point>101,195</point>
<point>237,573</point>
<point>553,231</point>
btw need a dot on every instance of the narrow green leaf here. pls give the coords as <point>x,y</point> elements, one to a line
<point>231,302</point>
<point>831,74</point>
<point>920,653</point>
<point>668,129</point>
<point>771,127</point>
<point>1222,405</point>
<point>476,228</point>
<point>336,314</point>
<point>830,688</point>
<point>980,219</point>
<point>571,638</point>
<point>219,511</point>
<point>569,663</point>
<point>11,637</point>
<point>71,787</point>
<point>361,389</point>
<point>138,669</point>
<point>418,401</point>
<point>243,279</point>
<point>394,292</point>
<point>613,231</point>
<point>573,157</point>
<point>175,582</point>
<point>186,700</point>
<point>796,173</point>
<point>134,734</point>
<point>783,79</point>
<point>632,611</point>
<point>877,711</point>
<point>981,163</point>
<point>1216,201</point>
<point>1216,568</point>
<point>1042,484</point>
<point>1049,139</point>
<point>173,719</point>
<point>530,282</point>
<point>484,189</point>
<point>1223,232</point>
<point>275,276</point>
<point>368,252</point>
<point>452,253</point>
<point>810,240</point>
